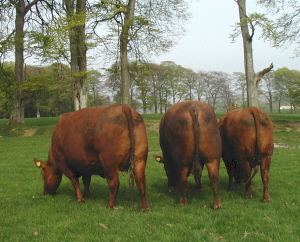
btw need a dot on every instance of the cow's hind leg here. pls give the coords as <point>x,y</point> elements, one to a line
<point>86,181</point>
<point>230,166</point>
<point>265,171</point>
<point>113,182</point>
<point>183,186</point>
<point>139,175</point>
<point>213,171</point>
<point>248,181</point>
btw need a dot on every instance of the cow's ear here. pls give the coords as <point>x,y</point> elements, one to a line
<point>39,163</point>
<point>158,158</point>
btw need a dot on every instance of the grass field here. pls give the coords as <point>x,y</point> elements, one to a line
<point>26,214</point>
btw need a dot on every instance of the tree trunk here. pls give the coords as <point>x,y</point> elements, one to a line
<point>252,91</point>
<point>124,41</point>
<point>78,51</point>
<point>17,115</point>
<point>252,79</point>
<point>271,101</point>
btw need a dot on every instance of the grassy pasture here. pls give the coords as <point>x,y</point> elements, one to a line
<point>26,214</point>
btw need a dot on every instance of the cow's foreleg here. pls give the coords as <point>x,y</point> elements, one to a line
<point>75,183</point>
<point>113,184</point>
<point>265,171</point>
<point>213,172</point>
<point>183,186</point>
<point>139,175</point>
<point>86,181</point>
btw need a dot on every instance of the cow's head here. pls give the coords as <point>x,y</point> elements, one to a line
<point>169,171</point>
<point>52,177</point>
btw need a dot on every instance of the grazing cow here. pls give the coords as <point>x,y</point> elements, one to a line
<point>190,138</point>
<point>101,141</point>
<point>247,140</point>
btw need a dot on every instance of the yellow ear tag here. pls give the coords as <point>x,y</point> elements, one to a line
<point>158,158</point>
<point>38,164</point>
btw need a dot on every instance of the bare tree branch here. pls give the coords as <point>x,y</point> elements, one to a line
<point>260,74</point>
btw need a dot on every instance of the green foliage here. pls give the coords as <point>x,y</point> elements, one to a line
<point>26,214</point>
<point>286,23</point>
<point>288,85</point>
<point>6,88</point>
<point>267,27</point>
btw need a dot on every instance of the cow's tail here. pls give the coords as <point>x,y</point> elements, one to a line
<point>128,114</point>
<point>196,129</point>
<point>257,155</point>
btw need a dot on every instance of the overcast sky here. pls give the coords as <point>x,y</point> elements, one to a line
<point>207,46</point>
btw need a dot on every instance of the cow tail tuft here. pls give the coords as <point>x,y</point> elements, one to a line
<point>128,114</point>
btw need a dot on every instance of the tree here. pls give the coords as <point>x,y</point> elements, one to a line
<point>156,79</point>
<point>48,90</point>
<point>113,81</point>
<point>287,83</point>
<point>28,18</point>
<point>240,84</point>
<point>173,76</point>
<point>124,41</point>
<point>6,88</point>
<point>214,86</point>
<point>143,28</point>
<point>36,83</point>
<point>200,84</point>
<point>189,80</point>
<point>252,78</point>
<point>76,18</point>
<point>95,87</point>
<point>287,22</point>
<point>269,84</point>
<point>22,8</point>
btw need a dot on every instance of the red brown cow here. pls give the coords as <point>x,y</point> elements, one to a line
<point>247,138</point>
<point>101,141</point>
<point>190,138</point>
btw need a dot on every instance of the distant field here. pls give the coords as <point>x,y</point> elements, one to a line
<point>26,214</point>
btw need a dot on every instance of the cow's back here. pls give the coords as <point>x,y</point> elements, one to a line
<point>241,129</point>
<point>178,131</point>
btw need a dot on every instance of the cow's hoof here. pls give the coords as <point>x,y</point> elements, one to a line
<point>111,207</point>
<point>230,188</point>
<point>199,188</point>
<point>265,200</point>
<point>183,203</point>
<point>87,194</point>
<point>217,206</point>
<point>80,200</point>
<point>248,196</point>
<point>145,209</point>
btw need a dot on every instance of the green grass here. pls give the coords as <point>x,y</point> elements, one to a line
<point>286,128</point>
<point>26,214</point>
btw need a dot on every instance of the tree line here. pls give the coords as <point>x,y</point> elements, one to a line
<point>63,31</point>
<point>153,87</point>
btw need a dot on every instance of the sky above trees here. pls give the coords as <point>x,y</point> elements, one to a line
<point>207,45</point>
